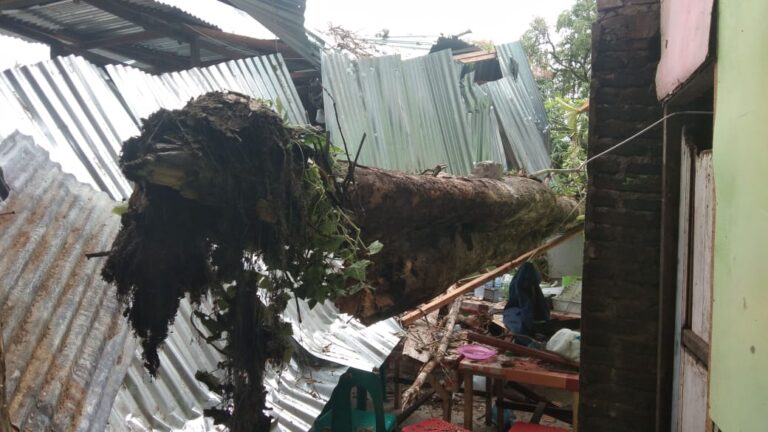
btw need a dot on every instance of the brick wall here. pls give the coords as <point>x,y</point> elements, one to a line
<point>621,256</point>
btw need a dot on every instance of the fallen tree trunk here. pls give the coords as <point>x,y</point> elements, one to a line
<point>229,201</point>
<point>436,230</point>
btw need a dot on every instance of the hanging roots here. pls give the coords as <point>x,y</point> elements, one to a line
<point>232,204</point>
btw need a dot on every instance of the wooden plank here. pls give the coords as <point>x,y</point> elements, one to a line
<point>522,370</point>
<point>696,346</point>
<point>126,39</point>
<point>442,300</point>
<point>684,246</point>
<point>468,400</point>
<point>693,403</point>
<point>703,246</point>
<point>5,416</point>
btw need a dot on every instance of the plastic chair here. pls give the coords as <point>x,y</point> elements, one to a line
<point>338,415</point>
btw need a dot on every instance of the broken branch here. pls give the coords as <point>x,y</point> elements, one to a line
<point>442,300</point>
<point>413,391</point>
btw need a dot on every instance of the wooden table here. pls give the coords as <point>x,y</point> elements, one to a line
<point>503,368</point>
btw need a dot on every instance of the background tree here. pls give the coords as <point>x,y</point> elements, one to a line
<point>561,61</point>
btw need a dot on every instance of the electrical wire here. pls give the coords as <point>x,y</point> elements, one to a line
<point>614,147</point>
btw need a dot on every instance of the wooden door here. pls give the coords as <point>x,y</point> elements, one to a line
<point>695,265</point>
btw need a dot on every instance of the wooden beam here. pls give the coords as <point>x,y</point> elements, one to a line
<point>5,416</point>
<point>55,43</point>
<point>126,39</point>
<point>194,53</point>
<point>180,32</point>
<point>442,300</point>
<point>696,346</point>
<point>22,4</point>
<point>260,45</point>
<point>67,42</point>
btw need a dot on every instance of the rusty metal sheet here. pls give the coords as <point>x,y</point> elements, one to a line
<point>63,331</point>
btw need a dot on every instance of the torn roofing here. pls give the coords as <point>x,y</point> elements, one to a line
<point>284,18</point>
<point>63,331</point>
<point>418,113</point>
<point>415,113</point>
<point>145,33</point>
<point>81,115</point>
<point>175,397</point>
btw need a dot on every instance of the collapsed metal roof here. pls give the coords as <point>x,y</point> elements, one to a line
<point>81,114</point>
<point>145,33</point>
<point>63,330</point>
<point>415,113</point>
<point>285,18</point>
<point>75,108</point>
<point>419,113</point>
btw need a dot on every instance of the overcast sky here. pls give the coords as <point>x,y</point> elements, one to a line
<point>496,20</point>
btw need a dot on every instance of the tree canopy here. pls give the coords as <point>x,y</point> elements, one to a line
<point>560,57</point>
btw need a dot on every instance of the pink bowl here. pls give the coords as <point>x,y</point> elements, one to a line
<point>477,352</point>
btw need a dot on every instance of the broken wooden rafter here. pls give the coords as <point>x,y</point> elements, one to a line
<point>443,299</point>
<point>178,31</point>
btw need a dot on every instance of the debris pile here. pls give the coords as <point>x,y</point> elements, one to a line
<point>231,203</point>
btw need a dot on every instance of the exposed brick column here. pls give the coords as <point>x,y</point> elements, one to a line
<point>621,256</point>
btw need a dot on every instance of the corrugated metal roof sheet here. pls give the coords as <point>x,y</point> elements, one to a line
<point>299,392</point>
<point>285,18</point>
<point>175,397</point>
<point>330,335</point>
<point>63,331</point>
<point>418,113</point>
<point>71,363</point>
<point>75,116</point>
<point>415,113</point>
<point>264,77</point>
<point>81,116</point>
<point>39,97</point>
<point>514,65</point>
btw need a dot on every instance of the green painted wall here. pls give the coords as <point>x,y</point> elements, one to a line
<point>739,357</point>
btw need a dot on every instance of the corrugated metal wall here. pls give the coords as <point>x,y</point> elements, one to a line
<point>415,113</point>
<point>419,113</point>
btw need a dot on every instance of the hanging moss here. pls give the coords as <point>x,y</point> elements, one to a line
<point>258,222</point>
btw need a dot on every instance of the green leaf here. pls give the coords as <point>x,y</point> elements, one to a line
<point>356,270</point>
<point>119,210</point>
<point>375,247</point>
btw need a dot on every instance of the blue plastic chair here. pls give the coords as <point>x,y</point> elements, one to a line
<point>338,415</point>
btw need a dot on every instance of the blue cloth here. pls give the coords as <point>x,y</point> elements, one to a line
<point>526,304</point>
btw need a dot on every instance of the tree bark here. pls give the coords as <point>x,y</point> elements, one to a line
<point>223,186</point>
<point>436,230</point>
